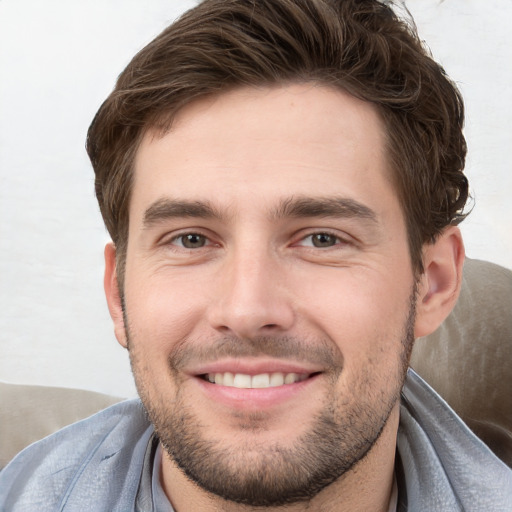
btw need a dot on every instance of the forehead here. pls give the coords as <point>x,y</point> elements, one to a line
<point>256,146</point>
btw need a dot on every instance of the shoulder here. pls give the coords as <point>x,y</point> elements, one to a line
<point>79,460</point>
<point>444,463</point>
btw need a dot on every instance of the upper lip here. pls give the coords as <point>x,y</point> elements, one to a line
<point>253,366</point>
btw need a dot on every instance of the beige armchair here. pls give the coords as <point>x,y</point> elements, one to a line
<point>29,413</point>
<point>468,360</point>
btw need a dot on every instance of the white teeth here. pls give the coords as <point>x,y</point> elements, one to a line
<point>276,379</point>
<point>229,379</point>
<point>263,380</point>
<point>290,378</point>
<point>242,381</point>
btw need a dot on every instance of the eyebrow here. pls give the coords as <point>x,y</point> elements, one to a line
<point>294,207</point>
<point>165,209</point>
<point>324,207</point>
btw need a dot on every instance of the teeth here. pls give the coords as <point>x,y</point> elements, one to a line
<point>228,380</point>
<point>241,380</point>
<point>290,378</point>
<point>263,380</point>
<point>276,379</point>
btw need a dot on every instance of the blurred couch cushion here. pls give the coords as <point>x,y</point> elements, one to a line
<point>468,360</point>
<point>29,413</point>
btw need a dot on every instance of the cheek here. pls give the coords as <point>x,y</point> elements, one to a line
<point>159,320</point>
<point>162,312</point>
<point>362,310</point>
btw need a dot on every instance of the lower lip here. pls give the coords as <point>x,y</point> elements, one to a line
<point>254,399</point>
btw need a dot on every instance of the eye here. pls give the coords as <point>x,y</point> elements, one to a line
<point>320,240</point>
<point>190,241</point>
<point>323,240</point>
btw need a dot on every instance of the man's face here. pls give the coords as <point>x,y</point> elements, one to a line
<point>268,289</point>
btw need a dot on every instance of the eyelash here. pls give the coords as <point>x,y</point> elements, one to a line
<point>338,240</point>
<point>182,236</point>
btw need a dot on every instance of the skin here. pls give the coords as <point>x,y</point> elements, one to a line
<point>255,280</point>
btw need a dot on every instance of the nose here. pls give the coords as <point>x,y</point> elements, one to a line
<point>252,297</point>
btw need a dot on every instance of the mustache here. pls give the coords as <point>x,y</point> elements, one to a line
<point>318,352</point>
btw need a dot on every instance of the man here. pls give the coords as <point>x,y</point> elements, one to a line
<point>282,181</point>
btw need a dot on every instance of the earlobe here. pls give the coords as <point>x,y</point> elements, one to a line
<point>439,285</point>
<point>111,287</point>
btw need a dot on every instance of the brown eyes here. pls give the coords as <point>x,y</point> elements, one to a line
<point>320,240</point>
<point>323,240</point>
<point>191,241</point>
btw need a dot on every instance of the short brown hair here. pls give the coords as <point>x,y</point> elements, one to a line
<point>360,46</point>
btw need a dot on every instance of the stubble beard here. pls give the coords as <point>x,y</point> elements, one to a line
<point>270,474</point>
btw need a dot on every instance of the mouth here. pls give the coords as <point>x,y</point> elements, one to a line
<point>255,385</point>
<point>259,381</point>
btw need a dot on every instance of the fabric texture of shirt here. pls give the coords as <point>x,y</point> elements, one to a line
<point>109,462</point>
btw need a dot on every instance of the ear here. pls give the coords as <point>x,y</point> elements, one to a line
<point>111,287</point>
<point>439,286</point>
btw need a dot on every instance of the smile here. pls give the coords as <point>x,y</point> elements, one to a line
<point>262,380</point>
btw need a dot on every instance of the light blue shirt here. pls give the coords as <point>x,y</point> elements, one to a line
<point>110,462</point>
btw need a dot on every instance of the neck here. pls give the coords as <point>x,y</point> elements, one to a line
<point>366,486</point>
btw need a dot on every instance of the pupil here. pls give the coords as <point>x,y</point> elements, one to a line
<point>193,241</point>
